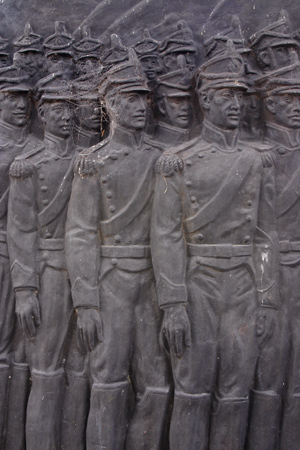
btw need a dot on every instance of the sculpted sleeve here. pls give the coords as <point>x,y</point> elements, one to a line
<point>266,241</point>
<point>22,234</point>
<point>167,240</point>
<point>82,241</point>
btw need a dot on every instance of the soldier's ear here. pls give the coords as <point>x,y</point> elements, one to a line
<point>167,61</point>
<point>161,107</point>
<point>264,58</point>
<point>41,113</point>
<point>205,100</point>
<point>270,104</point>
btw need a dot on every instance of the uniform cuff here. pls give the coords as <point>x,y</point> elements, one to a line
<point>170,293</point>
<point>23,276</point>
<point>85,295</point>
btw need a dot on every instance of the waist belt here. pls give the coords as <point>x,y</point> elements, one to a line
<point>3,236</point>
<point>125,251</point>
<point>219,250</point>
<point>289,246</point>
<point>51,244</point>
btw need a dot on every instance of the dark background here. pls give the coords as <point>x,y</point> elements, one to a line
<point>128,18</point>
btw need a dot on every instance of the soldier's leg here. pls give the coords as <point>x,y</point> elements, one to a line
<point>45,353</point>
<point>149,371</point>
<point>76,396</point>
<point>109,361</point>
<point>194,372</point>
<point>290,290</point>
<point>237,354</point>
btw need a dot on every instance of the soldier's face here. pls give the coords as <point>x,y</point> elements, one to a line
<point>151,67</point>
<point>60,62</point>
<point>57,118</point>
<point>282,55</point>
<point>15,108</point>
<point>85,65</point>
<point>179,111</point>
<point>29,62</point>
<point>89,115</point>
<point>224,107</point>
<point>286,109</point>
<point>132,110</point>
<point>4,61</point>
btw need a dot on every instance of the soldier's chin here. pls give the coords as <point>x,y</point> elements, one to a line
<point>139,124</point>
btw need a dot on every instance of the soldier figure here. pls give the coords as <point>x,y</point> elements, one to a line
<point>59,52</point>
<point>282,112</point>
<point>147,51</point>
<point>14,140</point>
<point>172,101</point>
<point>108,256</point>
<point>29,54</point>
<point>4,55</point>
<point>39,194</point>
<point>215,218</point>
<point>180,42</point>
<point>87,53</point>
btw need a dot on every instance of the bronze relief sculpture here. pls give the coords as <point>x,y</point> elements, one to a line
<point>149,249</point>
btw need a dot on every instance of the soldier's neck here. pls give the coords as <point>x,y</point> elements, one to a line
<point>226,139</point>
<point>128,138</point>
<point>289,137</point>
<point>170,134</point>
<point>58,145</point>
<point>12,132</point>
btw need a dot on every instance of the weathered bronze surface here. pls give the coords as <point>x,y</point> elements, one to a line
<point>149,225</point>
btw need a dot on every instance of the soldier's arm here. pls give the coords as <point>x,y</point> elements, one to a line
<point>82,251</point>
<point>266,250</point>
<point>169,253</point>
<point>22,239</point>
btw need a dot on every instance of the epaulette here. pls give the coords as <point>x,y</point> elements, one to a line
<point>167,164</point>
<point>86,163</point>
<point>267,160</point>
<point>21,168</point>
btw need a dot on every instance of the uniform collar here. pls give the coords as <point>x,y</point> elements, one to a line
<point>168,134</point>
<point>126,137</point>
<point>215,135</point>
<point>12,133</point>
<point>62,148</point>
<point>86,138</point>
<point>283,136</point>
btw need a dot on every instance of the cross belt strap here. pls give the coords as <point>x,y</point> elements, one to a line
<point>125,251</point>
<point>51,244</point>
<point>219,250</point>
<point>289,246</point>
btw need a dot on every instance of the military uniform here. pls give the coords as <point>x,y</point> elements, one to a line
<point>206,219</point>
<point>109,216</point>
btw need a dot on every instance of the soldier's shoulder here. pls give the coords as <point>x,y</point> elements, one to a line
<point>151,143</point>
<point>88,161</point>
<point>168,164</point>
<point>23,165</point>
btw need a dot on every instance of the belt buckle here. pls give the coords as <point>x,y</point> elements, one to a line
<point>223,251</point>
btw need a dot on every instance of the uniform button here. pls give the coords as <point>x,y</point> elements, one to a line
<point>112,209</point>
<point>104,179</point>
<point>10,146</point>
<point>101,164</point>
<point>198,260</point>
<point>42,177</point>
<point>200,237</point>
<point>193,199</point>
<point>126,152</point>
<point>117,239</point>
<point>249,202</point>
<point>213,150</point>
<point>44,188</point>
<point>248,219</point>
<point>247,239</point>
<point>48,235</point>
<point>188,163</point>
<point>109,194</point>
<point>240,149</point>
<point>282,150</point>
<point>189,183</point>
<point>113,156</point>
<point>114,262</point>
<point>200,155</point>
<point>45,202</point>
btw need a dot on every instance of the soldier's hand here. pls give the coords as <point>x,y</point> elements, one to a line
<point>176,329</point>
<point>89,329</point>
<point>28,311</point>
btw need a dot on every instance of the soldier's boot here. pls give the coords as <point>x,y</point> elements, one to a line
<point>4,374</point>
<point>106,426</point>
<point>17,404</point>
<point>190,421</point>
<point>229,424</point>
<point>43,410</point>
<point>264,421</point>
<point>147,425</point>
<point>290,433</point>
<point>74,413</point>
